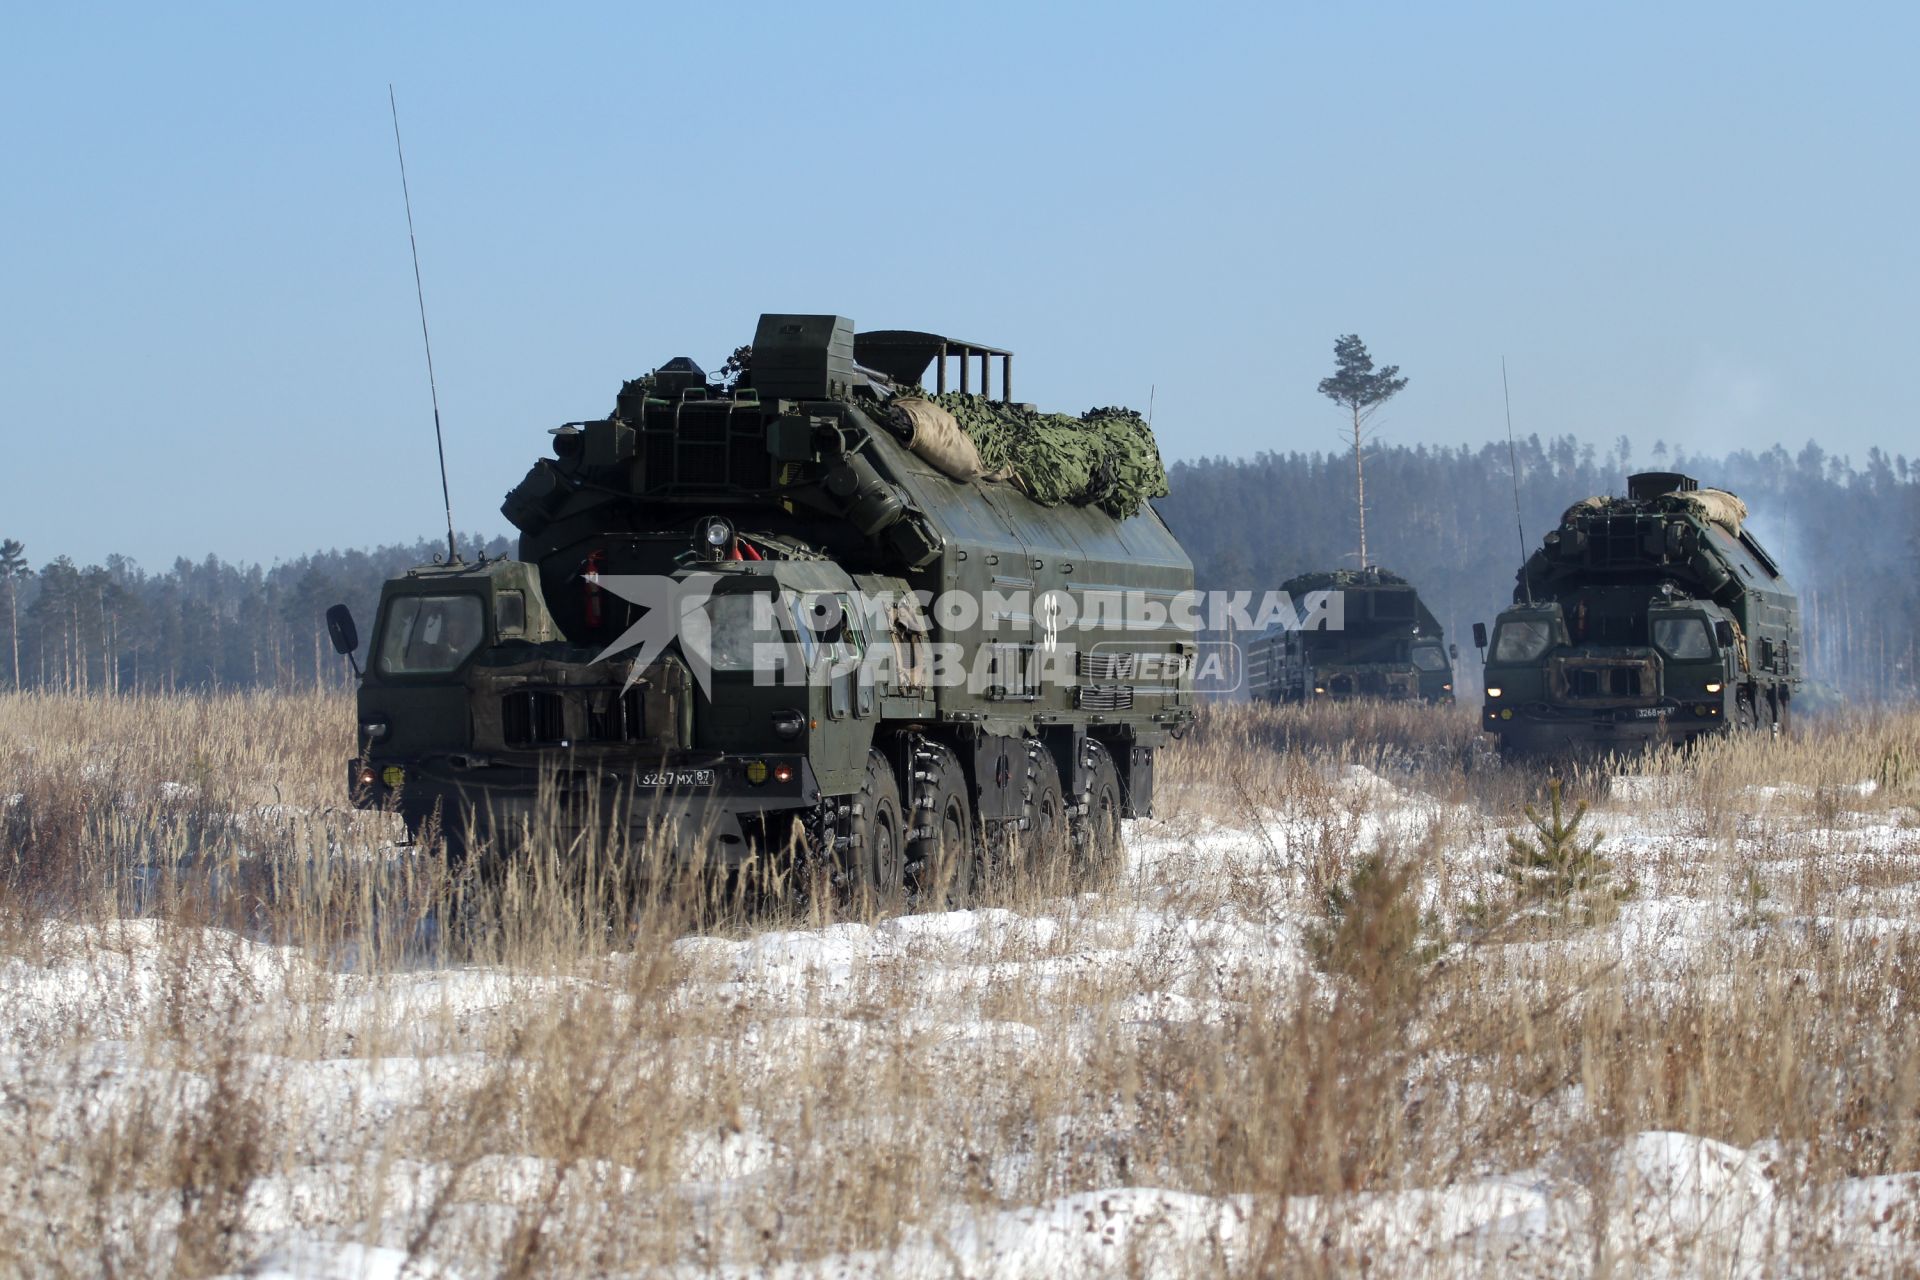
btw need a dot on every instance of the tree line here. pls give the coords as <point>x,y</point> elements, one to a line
<point>198,626</point>
<point>1444,517</point>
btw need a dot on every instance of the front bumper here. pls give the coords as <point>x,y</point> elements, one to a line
<point>704,805</point>
<point>1546,727</point>
<point>1343,684</point>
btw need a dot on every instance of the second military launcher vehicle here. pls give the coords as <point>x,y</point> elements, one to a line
<point>1369,637</point>
<point>788,612</point>
<point>1653,617</point>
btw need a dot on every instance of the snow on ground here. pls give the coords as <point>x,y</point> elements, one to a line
<point>80,1005</point>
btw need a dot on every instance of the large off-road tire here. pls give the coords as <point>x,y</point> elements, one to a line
<point>1097,842</point>
<point>1035,854</point>
<point>1782,712</point>
<point>943,854</point>
<point>876,861</point>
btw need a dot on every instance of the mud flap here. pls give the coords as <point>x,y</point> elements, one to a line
<point>999,777</point>
<point>1137,784</point>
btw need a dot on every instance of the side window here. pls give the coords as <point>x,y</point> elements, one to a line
<point>510,612</point>
<point>823,621</point>
<point>797,609</point>
<point>852,634</point>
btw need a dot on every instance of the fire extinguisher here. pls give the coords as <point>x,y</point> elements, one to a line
<point>592,575</point>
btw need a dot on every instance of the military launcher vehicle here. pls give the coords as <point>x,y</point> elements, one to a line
<point>1653,617</point>
<point>791,614</point>
<point>1378,641</point>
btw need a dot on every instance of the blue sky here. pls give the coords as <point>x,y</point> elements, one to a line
<point>1692,224</point>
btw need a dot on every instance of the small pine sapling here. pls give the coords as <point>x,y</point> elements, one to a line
<point>1556,865</point>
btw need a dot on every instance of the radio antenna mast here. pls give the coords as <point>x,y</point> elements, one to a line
<point>420,296</point>
<point>1513,465</point>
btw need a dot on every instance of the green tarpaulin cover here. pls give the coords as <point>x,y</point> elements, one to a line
<point>1105,457</point>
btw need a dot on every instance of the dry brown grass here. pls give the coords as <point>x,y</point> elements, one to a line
<point>237,1014</point>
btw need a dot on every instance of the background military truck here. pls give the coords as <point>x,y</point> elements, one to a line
<point>1388,645</point>
<point>837,523</point>
<point>1656,616</point>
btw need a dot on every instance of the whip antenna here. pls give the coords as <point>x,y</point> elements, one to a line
<point>1513,465</point>
<point>420,296</point>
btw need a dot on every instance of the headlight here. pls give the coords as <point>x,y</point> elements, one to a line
<point>716,532</point>
<point>375,728</point>
<point>1713,686</point>
<point>1493,691</point>
<point>788,724</point>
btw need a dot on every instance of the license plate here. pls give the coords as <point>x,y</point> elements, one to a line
<point>1649,713</point>
<point>677,778</point>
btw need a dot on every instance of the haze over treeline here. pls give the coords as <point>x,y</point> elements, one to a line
<point>1847,536</point>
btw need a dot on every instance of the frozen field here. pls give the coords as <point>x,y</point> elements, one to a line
<point>1317,1026</point>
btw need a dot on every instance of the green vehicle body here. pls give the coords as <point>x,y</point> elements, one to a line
<point>1388,644</point>
<point>827,506</point>
<point>1657,617</point>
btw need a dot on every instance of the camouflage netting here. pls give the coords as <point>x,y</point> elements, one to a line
<point>1105,457</point>
<point>1596,503</point>
<point>1342,579</point>
<point>1717,506</point>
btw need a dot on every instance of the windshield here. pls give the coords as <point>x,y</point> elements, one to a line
<point>1682,637</point>
<point>1522,640</point>
<point>743,632</point>
<point>1429,658</point>
<point>430,635</point>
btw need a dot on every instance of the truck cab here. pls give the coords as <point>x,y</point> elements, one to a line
<point>1651,618</point>
<point>1664,673</point>
<point>1385,644</point>
<point>757,702</point>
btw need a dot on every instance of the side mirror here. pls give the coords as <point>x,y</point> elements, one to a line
<point>1723,633</point>
<point>346,636</point>
<point>1453,651</point>
<point>1479,635</point>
